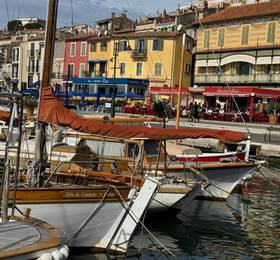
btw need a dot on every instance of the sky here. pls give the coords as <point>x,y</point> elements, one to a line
<point>84,11</point>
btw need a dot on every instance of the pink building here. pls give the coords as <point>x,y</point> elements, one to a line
<point>76,57</point>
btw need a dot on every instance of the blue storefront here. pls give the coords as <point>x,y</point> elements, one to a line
<point>106,86</point>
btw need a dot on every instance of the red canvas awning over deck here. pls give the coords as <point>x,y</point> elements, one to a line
<point>53,111</point>
<point>5,116</point>
<point>241,92</point>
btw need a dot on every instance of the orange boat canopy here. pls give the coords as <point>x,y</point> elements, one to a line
<point>53,111</point>
<point>4,115</point>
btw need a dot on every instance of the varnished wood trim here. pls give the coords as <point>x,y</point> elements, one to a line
<point>51,240</point>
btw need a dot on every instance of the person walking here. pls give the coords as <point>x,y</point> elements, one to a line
<point>195,112</point>
<point>191,112</point>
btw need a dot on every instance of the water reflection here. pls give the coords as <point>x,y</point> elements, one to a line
<point>247,229</point>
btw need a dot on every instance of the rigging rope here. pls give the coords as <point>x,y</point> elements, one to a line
<point>7,10</point>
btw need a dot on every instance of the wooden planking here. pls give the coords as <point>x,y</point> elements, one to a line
<point>66,195</point>
<point>20,243</point>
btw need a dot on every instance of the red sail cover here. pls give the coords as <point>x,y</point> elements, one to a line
<point>53,111</point>
<point>4,116</point>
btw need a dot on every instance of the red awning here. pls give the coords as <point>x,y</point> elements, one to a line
<point>241,92</point>
<point>53,111</point>
<point>157,90</point>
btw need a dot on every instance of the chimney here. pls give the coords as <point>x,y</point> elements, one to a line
<point>113,14</point>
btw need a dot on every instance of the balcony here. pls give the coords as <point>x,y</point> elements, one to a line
<point>34,53</point>
<point>95,74</point>
<point>56,75</point>
<point>31,69</point>
<point>139,54</point>
<point>236,79</point>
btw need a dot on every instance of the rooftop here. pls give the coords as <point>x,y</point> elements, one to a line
<point>244,11</point>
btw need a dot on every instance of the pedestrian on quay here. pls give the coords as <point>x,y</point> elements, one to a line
<point>195,112</point>
<point>191,112</point>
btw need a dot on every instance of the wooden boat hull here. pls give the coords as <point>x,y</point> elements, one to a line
<point>29,238</point>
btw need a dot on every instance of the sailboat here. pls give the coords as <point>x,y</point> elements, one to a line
<point>100,217</point>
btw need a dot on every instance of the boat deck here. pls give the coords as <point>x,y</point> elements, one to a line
<point>26,238</point>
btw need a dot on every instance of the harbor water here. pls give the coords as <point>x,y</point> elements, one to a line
<point>247,226</point>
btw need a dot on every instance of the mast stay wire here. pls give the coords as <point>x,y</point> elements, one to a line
<point>7,10</point>
<point>220,71</point>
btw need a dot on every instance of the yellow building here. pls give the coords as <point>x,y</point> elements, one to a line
<point>239,49</point>
<point>239,45</point>
<point>153,56</point>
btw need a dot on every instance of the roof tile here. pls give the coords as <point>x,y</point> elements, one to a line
<point>244,11</point>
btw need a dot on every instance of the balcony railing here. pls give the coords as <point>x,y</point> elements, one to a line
<point>34,53</point>
<point>258,78</point>
<point>56,75</point>
<point>139,54</point>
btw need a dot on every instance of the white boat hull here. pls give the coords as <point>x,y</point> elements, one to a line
<point>68,217</point>
<point>221,181</point>
<point>95,225</point>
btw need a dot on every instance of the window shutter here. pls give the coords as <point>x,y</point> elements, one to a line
<point>221,37</point>
<point>271,32</point>
<point>206,39</point>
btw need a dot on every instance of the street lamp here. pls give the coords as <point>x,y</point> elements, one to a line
<point>115,53</point>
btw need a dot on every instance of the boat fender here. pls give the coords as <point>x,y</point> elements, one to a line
<point>45,256</point>
<point>57,255</point>
<point>65,251</point>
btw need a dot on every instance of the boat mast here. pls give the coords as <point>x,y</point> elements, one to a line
<point>46,74</point>
<point>180,81</point>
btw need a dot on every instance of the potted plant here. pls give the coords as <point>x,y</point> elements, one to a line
<point>272,108</point>
<point>29,102</point>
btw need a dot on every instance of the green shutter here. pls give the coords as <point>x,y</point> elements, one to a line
<point>245,34</point>
<point>206,39</point>
<point>271,32</point>
<point>221,37</point>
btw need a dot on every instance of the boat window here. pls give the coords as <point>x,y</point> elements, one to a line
<point>151,148</point>
<point>133,150</point>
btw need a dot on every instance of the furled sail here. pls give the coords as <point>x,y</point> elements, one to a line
<point>5,115</point>
<point>52,111</point>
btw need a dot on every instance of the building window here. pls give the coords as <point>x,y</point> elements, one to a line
<point>103,46</point>
<point>122,68</point>
<point>93,47</point>
<point>221,37</point>
<point>123,45</point>
<point>83,49</point>
<point>271,32</point>
<point>30,80</point>
<point>243,68</point>
<point>73,49</point>
<point>206,39</point>
<point>158,44</point>
<point>15,71</point>
<point>15,54</point>
<point>158,69</point>
<point>141,45</point>
<point>37,65</point>
<point>71,68</point>
<point>245,34</point>
<point>32,49</point>
<point>31,66</point>
<point>139,68</point>
<point>82,70</point>
<point>201,70</point>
